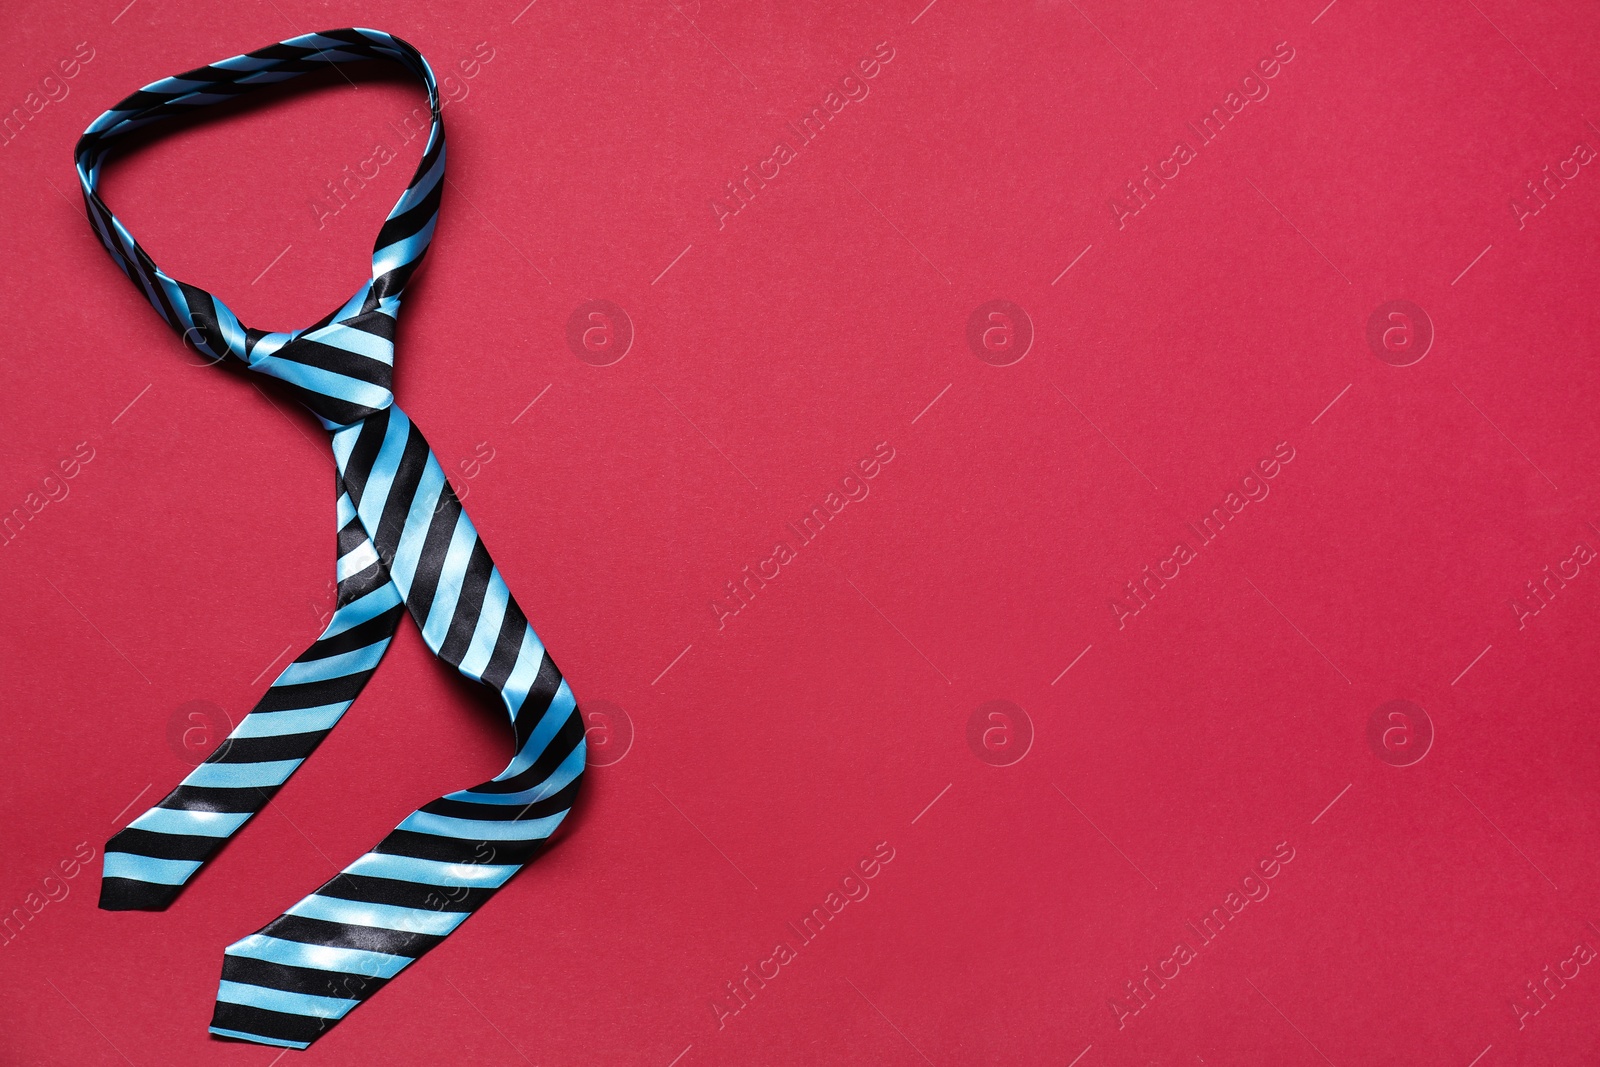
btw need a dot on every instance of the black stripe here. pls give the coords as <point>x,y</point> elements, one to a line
<point>260,1021</point>
<point>395,281</point>
<point>402,491</point>
<point>203,311</point>
<point>358,585</point>
<point>560,747</point>
<point>351,537</point>
<point>268,749</point>
<point>341,985</point>
<point>343,935</point>
<point>402,894</point>
<point>163,846</point>
<point>408,223</point>
<point>540,694</point>
<point>506,647</point>
<point>335,410</point>
<point>313,694</point>
<point>373,322</point>
<point>430,560</point>
<point>147,267</point>
<point>553,804</point>
<point>217,798</point>
<point>130,894</point>
<point>378,628</point>
<point>338,360</point>
<point>474,583</point>
<point>369,441</point>
<point>455,850</point>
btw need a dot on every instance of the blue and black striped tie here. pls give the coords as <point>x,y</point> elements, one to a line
<point>405,544</point>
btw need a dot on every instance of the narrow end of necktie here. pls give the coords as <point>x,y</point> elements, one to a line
<point>239,1035</point>
<point>126,883</point>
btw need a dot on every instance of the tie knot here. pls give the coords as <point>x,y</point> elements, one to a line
<point>342,370</point>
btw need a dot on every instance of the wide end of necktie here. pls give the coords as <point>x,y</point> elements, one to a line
<point>405,546</point>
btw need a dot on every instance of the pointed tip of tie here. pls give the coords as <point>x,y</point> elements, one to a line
<point>127,894</point>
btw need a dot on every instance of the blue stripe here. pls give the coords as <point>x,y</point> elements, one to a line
<point>355,561</point>
<point>186,821</point>
<point>320,670</point>
<point>561,706</point>
<point>432,872</point>
<point>232,329</point>
<point>482,829</point>
<point>269,344</point>
<point>360,342</point>
<point>299,721</point>
<point>403,251</point>
<point>180,305</point>
<point>240,775</point>
<point>481,648</point>
<point>319,957</point>
<point>353,305</point>
<point>363,608</point>
<point>448,592</point>
<point>424,185</point>
<point>259,996</point>
<point>316,40</point>
<point>176,84</point>
<point>344,442</point>
<point>258,1038</point>
<point>403,568</point>
<point>529,655</point>
<point>569,769</point>
<point>245,63</point>
<point>127,242</point>
<point>325,382</point>
<point>382,916</point>
<point>148,868</point>
<point>381,478</point>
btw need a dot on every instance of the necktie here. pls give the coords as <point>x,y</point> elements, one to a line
<point>405,544</point>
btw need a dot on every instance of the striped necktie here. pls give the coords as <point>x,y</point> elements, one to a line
<point>405,544</point>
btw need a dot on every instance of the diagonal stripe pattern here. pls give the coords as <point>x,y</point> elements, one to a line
<point>405,545</point>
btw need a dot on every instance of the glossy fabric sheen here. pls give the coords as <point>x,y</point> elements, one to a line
<point>404,545</point>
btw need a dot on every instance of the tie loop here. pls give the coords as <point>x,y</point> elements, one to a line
<point>405,546</point>
<point>341,367</point>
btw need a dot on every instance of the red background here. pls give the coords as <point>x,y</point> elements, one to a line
<point>770,355</point>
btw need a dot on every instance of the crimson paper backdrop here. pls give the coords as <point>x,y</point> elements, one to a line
<point>1073,526</point>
